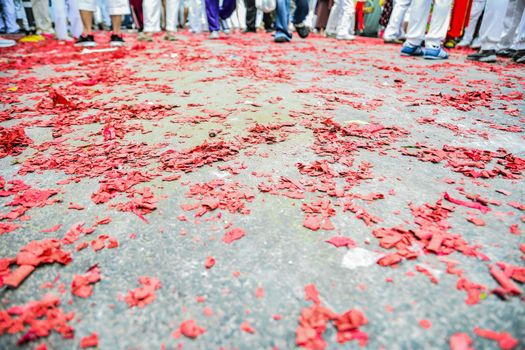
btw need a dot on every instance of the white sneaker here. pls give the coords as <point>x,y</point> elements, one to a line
<point>345,37</point>
<point>6,42</point>
<point>214,35</point>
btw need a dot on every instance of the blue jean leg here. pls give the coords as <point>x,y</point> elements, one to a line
<point>301,11</point>
<point>282,16</point>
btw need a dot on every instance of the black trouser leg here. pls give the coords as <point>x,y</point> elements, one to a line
<point>268,21</point>
<point>251,14</point>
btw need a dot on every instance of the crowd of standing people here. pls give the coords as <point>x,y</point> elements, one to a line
<point>424,28</point>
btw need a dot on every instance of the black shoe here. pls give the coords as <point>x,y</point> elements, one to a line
<point>249,30</point>
<point>519,56</point>
<point>86,41</point>
<point>302,30</point>
<point>393,41</point>
<point>488,56</point>
<point>506,52</point>
<point>116,40</point>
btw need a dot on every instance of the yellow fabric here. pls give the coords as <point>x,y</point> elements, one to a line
<point>32,39</point>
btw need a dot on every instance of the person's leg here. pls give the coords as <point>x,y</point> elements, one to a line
<point>347,22</point>
<point>116,22</point>
<point>172,15</point>
<point>475,13</point>
<point>439,22</point>
<point>193,18</point>
<point>151,10</point>
<point>251,14</point>
<point>117,9</point>
<point>75,21</point>
<point>104,12</point>
<point>511,23</point>
<point>227,8</point>
<point>87,8</point>
<point>138,15</point>
<point>393,29</point>
<point>360,15</point>
<point>29,15</point>
<point>334,18</point>
<point>8,7</point>
<point>60,15</point>
<point>2,23</point>
<point>301,11</point>
<point>20,16</point>
<point>212,13</point>
<point>417,26</point>
<point>240,10</point>
<point>458,18</point>
<point>282,17</point>
<point>519,41</point>
<point>42,19</point>
<point>87,20</point>
<point>268,21</point>
<point>492,24</point>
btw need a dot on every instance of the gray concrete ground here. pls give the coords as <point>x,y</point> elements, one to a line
<point>220,89</point>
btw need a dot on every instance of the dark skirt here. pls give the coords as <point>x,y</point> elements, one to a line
<point>322,10</point>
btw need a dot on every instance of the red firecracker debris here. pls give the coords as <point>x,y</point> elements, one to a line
<point>504,339</point>
<point>41,317</point>
<point>245,326</point>
<point>142,296</point>
<point>339,241</point>
<point>461,341</point>
<point>35,253</point>
<point>210,262</point>
<point>81,285</point>
<point>314,320</point>
<point>90,341</point>
<point>233,235</point>
<point>190,329</point>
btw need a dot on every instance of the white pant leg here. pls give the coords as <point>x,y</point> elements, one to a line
<point>151,10</point>
<point>437,31</point>
<point>475,13</point>
<point>419,11</point>
<point>519,40</point>
<point>334,18</point>
<point>510,23</point>
<point>492,24</point>
<point>75,22</point>
<point>102,10</point>
<point>119,7</point>
<point>241,13</point>
<point>59,12</point>
<point>347,21</point>
<point>172,15</point>
<point>395,23</point>
<point>9,16</point>
<point>194,17</point>
<point>41,14</point>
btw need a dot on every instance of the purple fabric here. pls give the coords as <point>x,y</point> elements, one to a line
<point>214,12</point>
